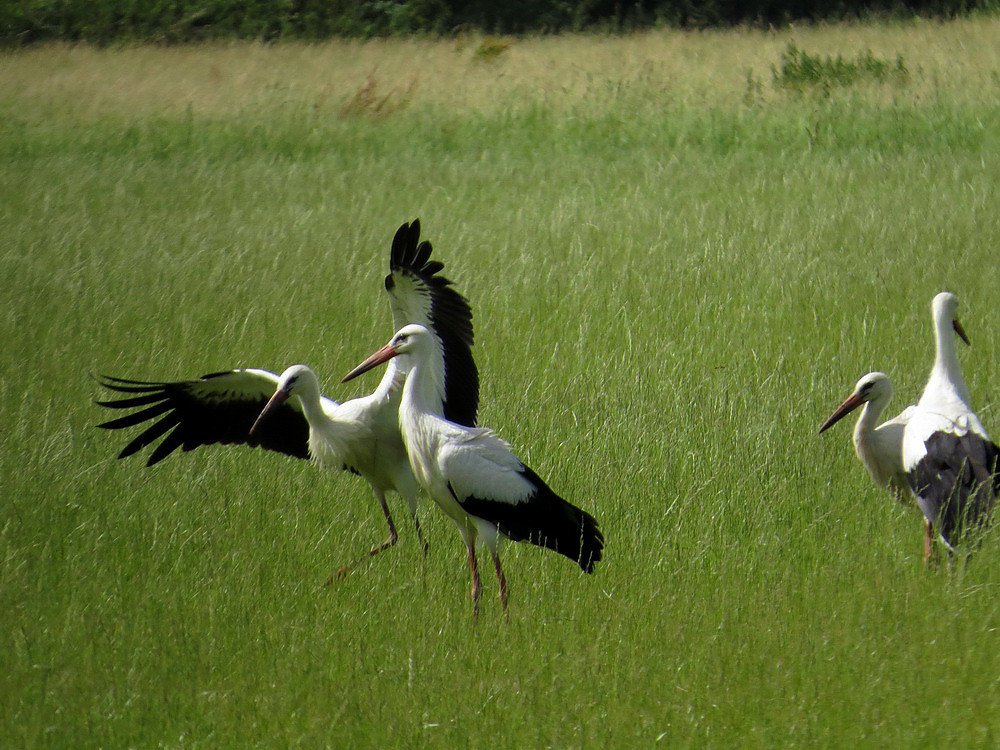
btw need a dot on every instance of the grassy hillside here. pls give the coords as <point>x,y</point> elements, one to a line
<point>679,267</point>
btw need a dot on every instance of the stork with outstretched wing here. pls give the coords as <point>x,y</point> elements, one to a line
<point>361,435</point>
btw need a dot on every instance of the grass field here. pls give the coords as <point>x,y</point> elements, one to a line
<point>678,269</point>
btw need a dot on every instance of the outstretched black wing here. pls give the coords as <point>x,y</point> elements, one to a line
<point>216,408</point>
<point>418,294</point>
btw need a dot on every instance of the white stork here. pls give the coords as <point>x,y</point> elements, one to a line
<point>361,435</point>
<point>472,474</point>
<point>880,448</point>
<point>949,459</point>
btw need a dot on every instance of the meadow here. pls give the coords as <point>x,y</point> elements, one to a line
<point>678,264</point>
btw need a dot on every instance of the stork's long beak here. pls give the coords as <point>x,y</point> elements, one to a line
<point>384,354</point>
<point>280,396</point>
<point>853,402</point>
<point>960,331</point>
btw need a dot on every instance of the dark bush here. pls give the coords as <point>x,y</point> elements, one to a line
<point>799,70</point>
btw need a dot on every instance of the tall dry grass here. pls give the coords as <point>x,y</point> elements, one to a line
<point>958,60</point>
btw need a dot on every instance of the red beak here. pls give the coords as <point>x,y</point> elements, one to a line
<point>277,400</point>
<point>384,354</point>
<point>853,402</point>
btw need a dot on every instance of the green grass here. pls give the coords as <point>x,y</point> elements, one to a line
<point>673,287</point>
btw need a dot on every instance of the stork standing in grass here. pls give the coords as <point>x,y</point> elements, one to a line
<point>289,415</point>
<point>880,448</point>
<point>949,459</point>
<point>473,475</point>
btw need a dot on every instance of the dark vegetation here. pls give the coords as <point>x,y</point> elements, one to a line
<point>175,21</point>
<point>799,70</point>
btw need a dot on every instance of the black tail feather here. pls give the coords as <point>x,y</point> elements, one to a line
<point>958,482</point>
<point>546,520</point>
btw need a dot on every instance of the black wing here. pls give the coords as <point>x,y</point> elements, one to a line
<point>418,294</point>
<point>957,481</point>
<point>216,408</point>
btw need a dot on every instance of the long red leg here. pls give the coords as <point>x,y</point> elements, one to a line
<point>474,570</point>
<point>420,536</point>
<point>928,541</point>
<point>502,580</point>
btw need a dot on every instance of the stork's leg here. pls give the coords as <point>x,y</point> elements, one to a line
<point>502,580</point>
<point>420,535</point>
<point>393,536</point>
<point>474,572</point>
<point>391,541</point>
<point>928,541</point>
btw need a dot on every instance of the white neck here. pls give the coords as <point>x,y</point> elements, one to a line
<point>309,395</point>
<point>946,375</point>
<point>868,419</point>
<point>420,393</point>
<point>391,385</point>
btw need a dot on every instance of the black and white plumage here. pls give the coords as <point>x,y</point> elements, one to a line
<point>288,413</point>
<point>473,475</point>
<point>418,294</point>
<point>949,459</point>
<point>880,448</point>
<point>216,408</point>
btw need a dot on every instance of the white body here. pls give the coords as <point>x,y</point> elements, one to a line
<point>361,434</point>
<point>881,448</point>
<point>473,460</point>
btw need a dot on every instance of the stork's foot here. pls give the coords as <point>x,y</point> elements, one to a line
<point>390,542</point>
<point>339,575</point>
<point>343,571</point>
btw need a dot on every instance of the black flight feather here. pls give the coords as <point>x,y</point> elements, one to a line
<point>204,412</point>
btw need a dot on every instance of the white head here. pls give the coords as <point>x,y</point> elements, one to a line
<point>944,308</point>
<point>297,380</point>
<point>411,342</point>
<point>944,304</point>
<point>874,388</point>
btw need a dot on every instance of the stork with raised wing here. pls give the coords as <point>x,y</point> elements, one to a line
<point>473,475</point>
<point>288,414</point>
<point>949,459</point>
